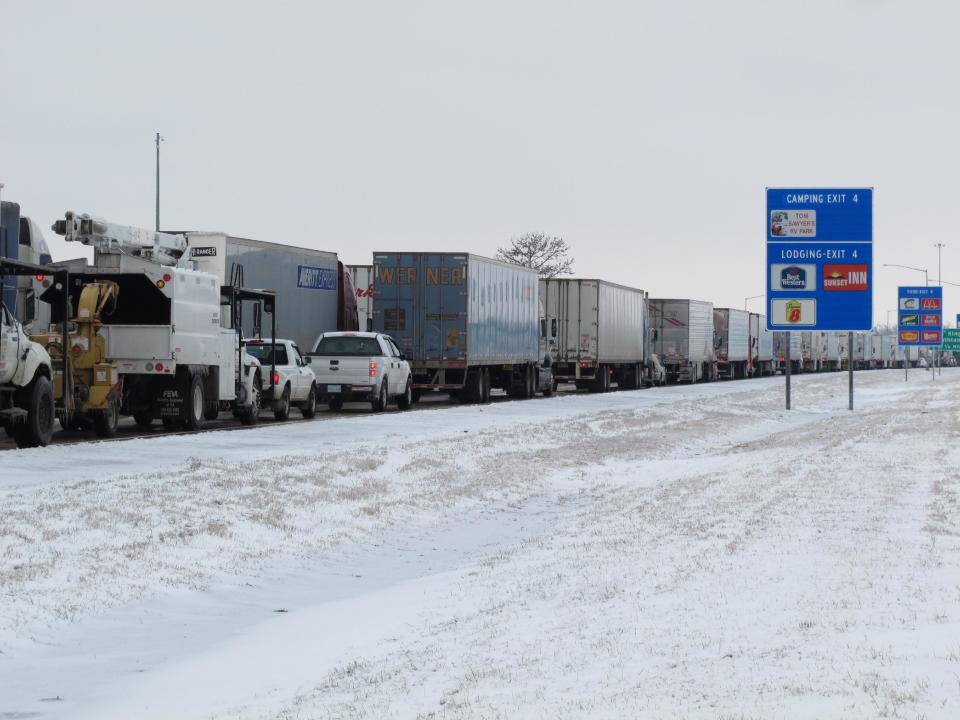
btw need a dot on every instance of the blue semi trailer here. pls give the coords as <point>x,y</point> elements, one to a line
<point>465,323</point>
<point>21,240</point>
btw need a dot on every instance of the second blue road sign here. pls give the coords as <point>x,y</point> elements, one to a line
<point>820,259</point>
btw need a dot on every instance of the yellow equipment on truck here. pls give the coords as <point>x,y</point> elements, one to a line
<point>96,383</point>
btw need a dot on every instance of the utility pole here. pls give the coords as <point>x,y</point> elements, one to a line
<point>158,141</point>
<point>939,246</point>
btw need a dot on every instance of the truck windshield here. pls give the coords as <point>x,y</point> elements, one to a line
<point>347,345</point>
<point>263,354</point>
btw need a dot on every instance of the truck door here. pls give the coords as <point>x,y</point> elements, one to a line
<point>9,346</point>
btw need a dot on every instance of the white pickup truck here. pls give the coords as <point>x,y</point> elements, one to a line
<point>361,366</point>
<point>293,381</point>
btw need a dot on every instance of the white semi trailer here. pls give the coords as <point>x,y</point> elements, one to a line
<point>172,335</point>
<point>830,351</point>
<point>731,340</point>
<point>362,276</point>
<point>683,339</point>
<point>762,361</point>
<point>601,331</point>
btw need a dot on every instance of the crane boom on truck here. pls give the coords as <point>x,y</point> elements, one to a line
<point>151,337</point>
<point>107,237</point>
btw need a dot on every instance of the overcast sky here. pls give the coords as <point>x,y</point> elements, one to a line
<point>642,132</point>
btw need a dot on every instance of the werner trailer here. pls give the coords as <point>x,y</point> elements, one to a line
<point>731,339</point>
<point>601,332</point>
<point>315,292</point>
<point>465,323</point>
<point>683,339</point>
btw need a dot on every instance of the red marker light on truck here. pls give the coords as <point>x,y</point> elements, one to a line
<point>276,378</point>
<point>373,368</point>
<point>158,367</point>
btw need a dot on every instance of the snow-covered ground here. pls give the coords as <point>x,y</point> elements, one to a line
<point>684,552</point>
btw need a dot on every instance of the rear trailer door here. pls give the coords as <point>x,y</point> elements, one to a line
<point>420,300</point>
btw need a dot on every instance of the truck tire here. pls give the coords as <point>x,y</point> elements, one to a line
<point>416,395</point>
<point>211,410</point>
<point>475,386</point>
<point>530,388</point>
<point>486,385</point>
<point>335,404</point>
<point>405,401</point>
<point>37,430</point>
<point>196,403</point>
<point>309,406</point>
<point>379,403</point>
<point>601,381</point>
<point>281,408</point>
<point>106,421</point>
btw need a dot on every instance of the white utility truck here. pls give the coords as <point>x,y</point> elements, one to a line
<point>26,392</point>
<point>293,381</point>
<point>171,345</point>
<point>361,366</point>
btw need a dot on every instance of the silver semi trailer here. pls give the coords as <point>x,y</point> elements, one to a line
<point>731,339</point>
<point>683,338</point>
<point>314,292</point>
<point>601,332</point>
<point>762,361</point>
<point>465,323</point>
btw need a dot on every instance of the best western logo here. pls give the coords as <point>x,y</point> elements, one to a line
<point>802,278</point>
<point>845,277</point>
<point>793,278</point>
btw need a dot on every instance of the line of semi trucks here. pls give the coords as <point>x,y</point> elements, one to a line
<point>155,327</point>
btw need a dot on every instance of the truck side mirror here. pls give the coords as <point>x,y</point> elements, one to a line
<point>543,327</point>
<point>307,360</point>
<point>655,335</point>
<point>553,327</point>
<point>369,324</point>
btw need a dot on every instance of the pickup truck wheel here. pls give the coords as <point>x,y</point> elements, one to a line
<point>335,404</point>
<point>250,415</point>
<point>379,404</point>
<point>281,409</point>
<point>38,427</point>
<point>106,421</point>
<point>405,401</point>
<point>196,404</point>
<point>550,388</point>
<point>309,407</point>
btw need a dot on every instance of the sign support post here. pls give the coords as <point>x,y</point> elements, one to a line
<point>786,372</point>
<point>850,367</point>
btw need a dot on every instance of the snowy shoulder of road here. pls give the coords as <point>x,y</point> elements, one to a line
<point>693,552</point>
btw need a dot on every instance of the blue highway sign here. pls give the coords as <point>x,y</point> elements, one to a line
<point>820,259</point>
<point>920,316</point>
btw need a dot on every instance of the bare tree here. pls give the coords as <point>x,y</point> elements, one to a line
<point>547,255</point>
